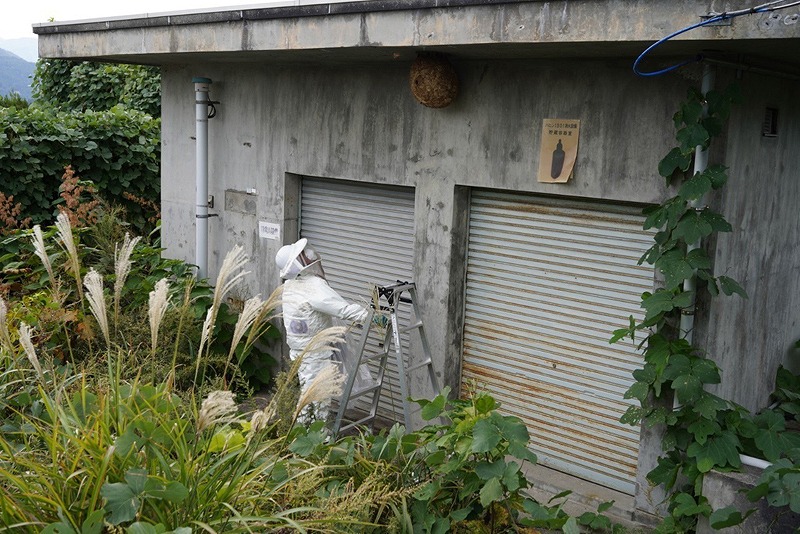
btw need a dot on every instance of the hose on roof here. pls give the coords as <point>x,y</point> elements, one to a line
<point>717,17</point>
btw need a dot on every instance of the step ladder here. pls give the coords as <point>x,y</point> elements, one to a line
<point>386,303</point>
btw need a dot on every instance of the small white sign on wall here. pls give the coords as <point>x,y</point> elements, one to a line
<point>268,230</point>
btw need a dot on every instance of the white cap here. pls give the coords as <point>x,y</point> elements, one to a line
<point>286,256</point>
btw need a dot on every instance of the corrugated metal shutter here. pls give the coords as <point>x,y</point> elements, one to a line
<point>547,283</point>
<point>365,234</point>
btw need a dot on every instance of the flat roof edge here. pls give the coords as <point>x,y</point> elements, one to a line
<point>239,13</point>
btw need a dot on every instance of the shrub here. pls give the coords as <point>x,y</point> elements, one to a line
<point>118,150</point>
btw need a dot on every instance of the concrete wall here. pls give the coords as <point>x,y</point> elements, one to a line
<point>750,338</point>
<point>362,123</point>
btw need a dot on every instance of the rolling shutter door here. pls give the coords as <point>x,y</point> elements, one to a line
<point>547,283</point>
<point>365,234</point>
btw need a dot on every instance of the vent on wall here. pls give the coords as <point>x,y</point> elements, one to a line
<point>769,128</point>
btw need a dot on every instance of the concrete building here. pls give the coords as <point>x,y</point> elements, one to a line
<point>317,133</point>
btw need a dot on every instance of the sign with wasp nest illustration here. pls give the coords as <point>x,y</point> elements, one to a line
<point>559,150</point>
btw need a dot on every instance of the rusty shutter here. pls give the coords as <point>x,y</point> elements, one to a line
<point>365,234</point>
<point>547,283</point>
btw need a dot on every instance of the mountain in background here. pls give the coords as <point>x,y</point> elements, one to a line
<point>25,47</point>
<point>15,74</point>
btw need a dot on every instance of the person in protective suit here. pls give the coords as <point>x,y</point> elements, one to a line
<point>309,306</point>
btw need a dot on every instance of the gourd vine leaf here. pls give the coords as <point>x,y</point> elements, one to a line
<point>730,286</point>
<point>720,450</point>
<point>717,175</point>
<point>695,187</point>
<point>730,516</point>
<point>687,506</point>
<point>692,227</point>
<point>716,221</point>
<point>691,136</point>
<point>674,267</point>
<point>702,428</point>
<point>666,472</point>
<point>673,163</point>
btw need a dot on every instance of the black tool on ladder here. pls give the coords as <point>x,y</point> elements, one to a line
<point>389,300</point>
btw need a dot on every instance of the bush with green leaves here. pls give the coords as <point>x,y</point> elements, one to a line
<point>82,85</point>
<point>118,150</point>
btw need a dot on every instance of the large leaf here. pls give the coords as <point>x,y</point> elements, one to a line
<point>730,286</point>
<point>485,437</point>
<point>491,491</point>
<point>674,161</point>
<point>121,502</point>
<point>695,187</point>
<point>719,451</point>
<point>675,268</point>
<point>726,517</point>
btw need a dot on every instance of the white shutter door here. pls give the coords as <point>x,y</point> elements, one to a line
<point>547,283</point>
<point>365,234</point>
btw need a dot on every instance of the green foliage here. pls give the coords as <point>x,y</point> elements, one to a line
<point>82,86</point>
<point>13,100</point>
<point>703,431</point>
<point>117,149</point>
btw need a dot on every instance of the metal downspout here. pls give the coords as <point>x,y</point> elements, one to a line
<point>700,165</point>
<point>201,180</point>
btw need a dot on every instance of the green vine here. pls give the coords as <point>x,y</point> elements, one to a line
<point>703,431</point>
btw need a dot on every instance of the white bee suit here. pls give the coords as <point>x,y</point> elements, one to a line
<point>309,307</point>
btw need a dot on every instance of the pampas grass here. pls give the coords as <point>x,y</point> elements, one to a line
<point>227,278</point>
<point>219,407</point>
<point>97,302</point>
<point>157,305</point>
<point>5,335</point>
<point>325,386</point>
<point>40,250</point>
<point>68,244</point>
<point>122,267</point>
<point>30,351</point>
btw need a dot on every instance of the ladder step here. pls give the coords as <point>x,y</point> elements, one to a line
<point>362,392</point>
<point>411,327</point>
<point>419,366</point>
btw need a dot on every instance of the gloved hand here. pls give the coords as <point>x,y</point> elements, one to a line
<point>380,320</point>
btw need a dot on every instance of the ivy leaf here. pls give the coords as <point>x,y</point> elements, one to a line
<point>691,136</point>
<point>632,416</point>
<point>716,221</point>
<point>720,450</point>
<point>717,175</point>
<point>674,267</point>
<point>656,303</point>
<point>695,187</point>
<point>698,259</point>
<point>692,227</point>
<point>771,438</point>
<point>665,473</point>
<point>708,405</point>
<point>730,286</point>
<point>726,517</point>
<point>638,391</point>
<point>686,506</point>
<point>676,160</point>
<point>702,428</point>
<point>691,112</point>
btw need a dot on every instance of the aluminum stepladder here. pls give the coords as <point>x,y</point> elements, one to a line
<point>390,299</point>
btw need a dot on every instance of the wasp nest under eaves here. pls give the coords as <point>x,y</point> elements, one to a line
<point>433,80</point>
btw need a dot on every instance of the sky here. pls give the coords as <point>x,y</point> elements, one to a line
<point>19,15</point>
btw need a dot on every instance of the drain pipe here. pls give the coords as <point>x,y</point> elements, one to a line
<point>201,102</point>
<point>700,165</point>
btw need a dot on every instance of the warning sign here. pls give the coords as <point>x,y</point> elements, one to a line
<point>559,150</point>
